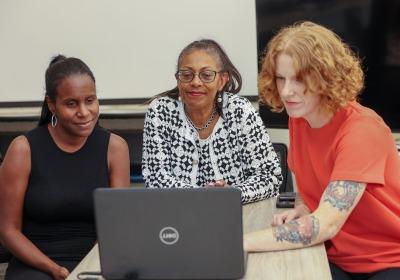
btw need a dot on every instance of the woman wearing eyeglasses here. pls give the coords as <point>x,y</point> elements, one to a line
<point>201,133</point>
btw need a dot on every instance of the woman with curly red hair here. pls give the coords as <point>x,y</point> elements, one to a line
<point>343,156</point>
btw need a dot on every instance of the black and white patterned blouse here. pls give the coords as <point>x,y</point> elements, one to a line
<point>238,150</point>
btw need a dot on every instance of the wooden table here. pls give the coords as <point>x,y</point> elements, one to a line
<point>308,263</point>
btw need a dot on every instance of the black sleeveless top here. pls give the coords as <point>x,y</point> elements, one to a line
<point>58,209</point>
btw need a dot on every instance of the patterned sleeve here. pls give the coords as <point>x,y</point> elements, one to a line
<point>263,174</point>
<point>156,162</point>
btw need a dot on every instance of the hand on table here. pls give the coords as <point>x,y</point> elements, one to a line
<point>217,183</point>
<point>289,215</point>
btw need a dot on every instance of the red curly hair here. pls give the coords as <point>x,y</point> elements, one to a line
<point>325,64</point>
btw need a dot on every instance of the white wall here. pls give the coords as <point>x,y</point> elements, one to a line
<point>130,45</point>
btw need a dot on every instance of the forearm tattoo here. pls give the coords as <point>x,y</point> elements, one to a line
<point>341,194</point>
<point>303,230</point>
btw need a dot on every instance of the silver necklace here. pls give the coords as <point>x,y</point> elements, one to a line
<point>208,122</point>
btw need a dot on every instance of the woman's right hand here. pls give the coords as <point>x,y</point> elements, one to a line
<point>60,273</point>
<point>217,183</point>
<point>289,215</point>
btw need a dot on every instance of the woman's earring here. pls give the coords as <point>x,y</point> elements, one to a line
<point>219,98</point>
<point>53,120</point>
<point>220,103</point>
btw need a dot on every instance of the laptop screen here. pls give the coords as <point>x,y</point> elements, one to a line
<point>170,233</point>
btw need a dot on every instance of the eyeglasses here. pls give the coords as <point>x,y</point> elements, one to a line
<point>186,76</point>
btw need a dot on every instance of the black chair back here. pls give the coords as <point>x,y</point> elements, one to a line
<point>282,152</point>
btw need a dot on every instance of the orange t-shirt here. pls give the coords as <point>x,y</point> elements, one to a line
<point>356,145</point>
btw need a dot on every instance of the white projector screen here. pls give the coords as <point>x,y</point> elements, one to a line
<point>130,45</point>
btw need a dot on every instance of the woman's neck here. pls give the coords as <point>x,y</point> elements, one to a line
<point>199,117</point>
<point>320,119</point>
<point>65,141</point>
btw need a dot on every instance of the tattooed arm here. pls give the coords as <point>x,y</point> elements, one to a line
<point>336,204</point>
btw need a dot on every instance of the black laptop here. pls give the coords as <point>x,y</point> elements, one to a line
<point>170,233</point>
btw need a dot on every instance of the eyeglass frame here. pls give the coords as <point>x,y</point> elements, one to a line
<point>197,74</point>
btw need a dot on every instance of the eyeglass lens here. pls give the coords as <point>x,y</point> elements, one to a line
<point>206,76</point>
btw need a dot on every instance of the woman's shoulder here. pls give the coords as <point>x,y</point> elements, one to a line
<point>360,127</point>
<point>17,161</point>
<point>19,147</point>
<point>163,105</point>
<point>234,99</point>
<point>360,118</point>
<point>117,143</point>
<point>238,104</point>
<point>163,101</point>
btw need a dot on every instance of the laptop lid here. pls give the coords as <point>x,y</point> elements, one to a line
<point>170,233</point>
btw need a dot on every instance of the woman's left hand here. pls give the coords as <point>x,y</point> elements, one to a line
<point>217,183</point>
<point>60,273</point>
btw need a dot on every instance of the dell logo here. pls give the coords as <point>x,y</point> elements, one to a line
<point>169,235</point>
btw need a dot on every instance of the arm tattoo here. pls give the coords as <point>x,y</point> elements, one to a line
<point>341,194</point>
<point>303,230</point>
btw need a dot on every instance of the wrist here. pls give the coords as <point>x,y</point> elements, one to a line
<point>302,209</point>
<point>52,268</point>
<point>248,240</point>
